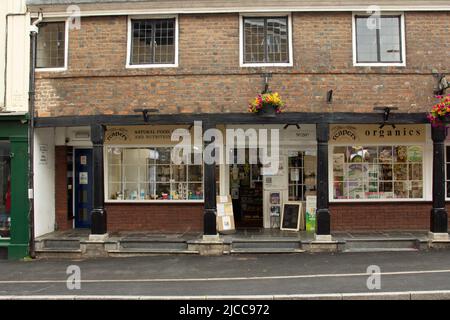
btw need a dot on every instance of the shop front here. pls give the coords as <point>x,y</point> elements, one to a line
<point>380,177</point>
<point>146,190</point>
<point>259,196</point>
<point>14,223</point>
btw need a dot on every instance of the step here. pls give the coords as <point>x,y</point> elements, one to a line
<point>368,250</point>
<point>61,244</point>
<point>265,251</point>
<point>140,252</point>
<point>380,245</point>
<point>58,253</point>
<point>146,244</point>
<point>272,244</point>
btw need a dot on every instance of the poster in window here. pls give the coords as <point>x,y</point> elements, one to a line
<point>415,154</point>
<point>275,198</point>
<point>338,164</point>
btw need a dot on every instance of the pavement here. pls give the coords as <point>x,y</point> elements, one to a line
<point>402,275</point>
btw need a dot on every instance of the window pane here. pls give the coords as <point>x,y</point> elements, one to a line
<point>366,41</point>
<point>254,40</point>
<point>5,189</point>
<point>277,40</point>
<point>149,174</point>
<point>165,41</point>
<point>50,51</point>
<point>390,39</point>
<point>373,172</point>
<point>153,41</point>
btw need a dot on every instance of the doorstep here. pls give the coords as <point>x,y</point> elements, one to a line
<point>242,242</point>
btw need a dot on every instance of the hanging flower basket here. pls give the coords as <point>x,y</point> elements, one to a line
<point>440,113</point>
<point>268,104</point>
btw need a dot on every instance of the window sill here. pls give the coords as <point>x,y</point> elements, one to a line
<point>154,201</point>
<point>150,66</point>
<point>379,64</point>
<point>51,69</point>
<point>376,200</point>
<point>267,65</point>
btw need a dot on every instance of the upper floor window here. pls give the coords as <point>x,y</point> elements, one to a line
<point>152,42</point>
<point>266,41</point>
<point>51,46</point>
<point>379,40</point>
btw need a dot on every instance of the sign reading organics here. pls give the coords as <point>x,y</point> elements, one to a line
<point>371,133</point>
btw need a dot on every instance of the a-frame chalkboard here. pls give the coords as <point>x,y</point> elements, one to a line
<point>290,217</point>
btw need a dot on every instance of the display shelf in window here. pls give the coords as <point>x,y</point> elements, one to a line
<point>146,174</point>
<point>382,172</point>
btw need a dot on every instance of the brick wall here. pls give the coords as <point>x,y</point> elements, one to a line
<point>380,216</point>
<point>209,78</point>
<point>62,223</point>
<point>155,217</point>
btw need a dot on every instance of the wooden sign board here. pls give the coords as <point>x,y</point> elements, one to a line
<point>291,215</point>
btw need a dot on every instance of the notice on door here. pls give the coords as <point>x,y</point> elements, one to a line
<point>83,178</point>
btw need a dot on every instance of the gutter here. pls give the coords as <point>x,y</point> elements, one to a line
<point>31,110</point>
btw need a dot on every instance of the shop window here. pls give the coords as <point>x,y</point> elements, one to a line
<point>378,39</point>
<point>153,42</point>
<point>378,172</point>
<point>149,174</point>
<point>302,175</point>
<point>51,45</point>
<point>266,40</point>
<point>5,189</point>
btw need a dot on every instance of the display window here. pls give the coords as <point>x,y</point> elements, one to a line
<point>5,189</point>
<point>378,172</point>
<point>302,175</point>
<point>148,174</point>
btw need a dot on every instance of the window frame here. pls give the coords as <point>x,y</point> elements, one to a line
<point>425,174</point>
<point>446,161</point>
<point>244,64</point>
<point>66,47</point>
<point>140,146</point>
<point>128,64</point>
<point>402,63</point>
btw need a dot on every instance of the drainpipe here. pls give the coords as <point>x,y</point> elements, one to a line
<point>31,111</point>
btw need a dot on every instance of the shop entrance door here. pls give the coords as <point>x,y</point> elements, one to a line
<point>83,187</point>
<point>246,192</point>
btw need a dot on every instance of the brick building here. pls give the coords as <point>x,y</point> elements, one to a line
<point>354,138</point>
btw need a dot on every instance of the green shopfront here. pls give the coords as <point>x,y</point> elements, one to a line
<point>14,221</point>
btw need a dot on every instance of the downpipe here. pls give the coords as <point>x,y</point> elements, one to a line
<point>31,111</point>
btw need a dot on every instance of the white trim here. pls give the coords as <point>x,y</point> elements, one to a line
<point>266,9</point>
<point>66,47</point>
<point>380,64</point>
<point>243,64</point>
<point>426,187</point>
<point>128,65</point>
<point>154,201</point>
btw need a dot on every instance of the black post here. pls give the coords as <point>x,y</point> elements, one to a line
<point>438,218</point>
<point>98,217</point>
<point>322,213</point>
<point>209,186</point>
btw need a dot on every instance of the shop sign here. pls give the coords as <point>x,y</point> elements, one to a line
<point>372,133</point>
<point>147,135</point>
<point>43,154</point>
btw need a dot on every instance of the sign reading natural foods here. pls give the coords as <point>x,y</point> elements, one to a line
<point>372,133</point>
<point>156,135</point>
